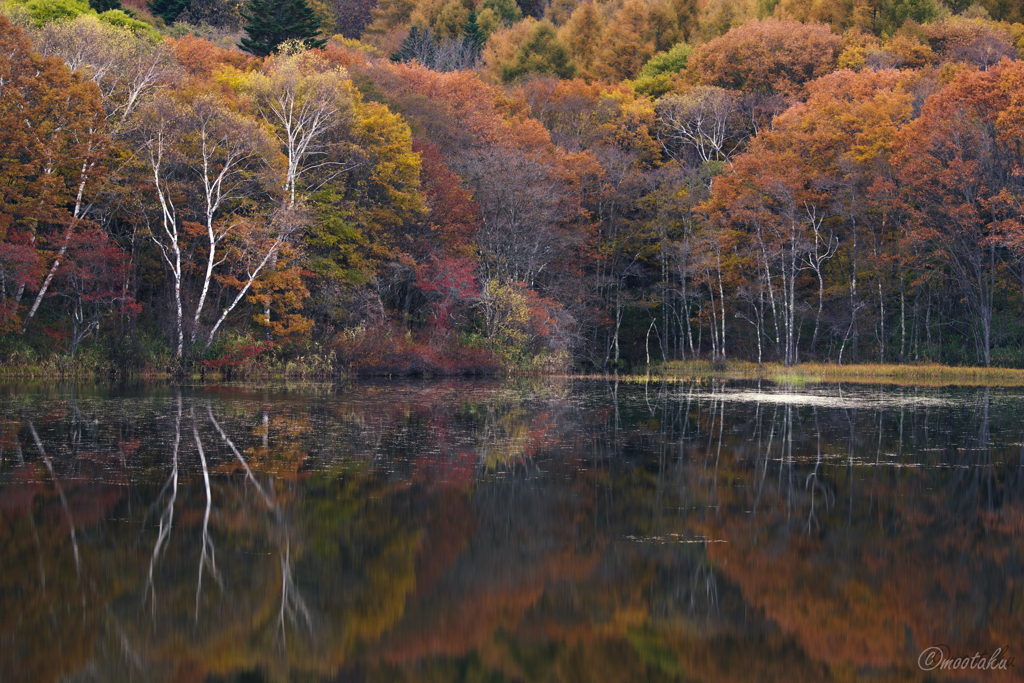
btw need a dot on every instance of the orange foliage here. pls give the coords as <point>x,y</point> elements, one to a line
<point>768,56</point>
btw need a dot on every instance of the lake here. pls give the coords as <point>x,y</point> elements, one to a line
<point>535,530</point>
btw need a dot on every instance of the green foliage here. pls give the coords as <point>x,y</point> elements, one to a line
<point>336,242</point>
<point>120,19</point>
<point>101,6</point>
<point>268,24</point>
<point>897,12</point>
<point>473,33</point>
<point>506,11</point>
<point>657,76</point>
<point>671,62</point>
<point>541,53</point>
<point>45,11</point>
<point>168,10</point>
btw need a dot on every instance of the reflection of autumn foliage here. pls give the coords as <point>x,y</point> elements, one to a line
<point>503,571</point>
<point>35,537</point>
<point>446,469</point>
<point>904,569</point>
<point>450,530</point>
<point>449,526</point>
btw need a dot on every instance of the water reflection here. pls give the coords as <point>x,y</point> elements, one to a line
<point>559,530</point>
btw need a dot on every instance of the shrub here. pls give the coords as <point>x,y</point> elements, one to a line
<point>387,349</point>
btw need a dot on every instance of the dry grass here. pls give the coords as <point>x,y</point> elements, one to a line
<point>868,373</point>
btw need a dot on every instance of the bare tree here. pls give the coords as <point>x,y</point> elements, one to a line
<point>522,205</point>
<point>705,119</point>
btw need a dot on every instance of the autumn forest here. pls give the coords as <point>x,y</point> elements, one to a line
<point>457,187</point>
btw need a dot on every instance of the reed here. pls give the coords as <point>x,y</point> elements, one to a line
<point>869,373</point>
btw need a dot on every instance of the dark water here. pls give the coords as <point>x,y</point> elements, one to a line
<point>550,531</point>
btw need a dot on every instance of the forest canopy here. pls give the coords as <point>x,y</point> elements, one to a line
<point>453,186</point>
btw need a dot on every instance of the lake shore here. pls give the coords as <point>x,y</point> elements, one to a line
<point>924,374</point>
<point>314,368</point>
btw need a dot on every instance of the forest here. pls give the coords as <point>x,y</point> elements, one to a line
<point>461,187</point>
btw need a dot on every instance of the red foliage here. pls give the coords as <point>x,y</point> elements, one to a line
<point>20,262</point>
<point>96,272</point>
<point>389,350</point>
<point>200,58</point>
<point>239,354</point>
<point>454,217</point>
<point>450,284</point>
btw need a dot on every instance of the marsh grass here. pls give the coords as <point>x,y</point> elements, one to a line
<point>869,373</point>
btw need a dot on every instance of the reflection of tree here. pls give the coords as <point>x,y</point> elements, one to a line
<point>867,558</point>
<point>208,557</point>
<point>372,534</point>
<point>167,515</point>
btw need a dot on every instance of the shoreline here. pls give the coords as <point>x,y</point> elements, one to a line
<point>928,374</point>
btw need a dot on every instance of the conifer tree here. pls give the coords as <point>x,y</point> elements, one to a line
<point>168,10</point>
<point>472,33</point>
<point>542,52</point>
<point>419,45</point>
<point>101,6</point>
<point>269,23</point>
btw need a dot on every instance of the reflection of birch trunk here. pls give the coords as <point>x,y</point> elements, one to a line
<point>813,483</point>
<point>292,603</point>
<point>60,493</point>
<point>705,575</point>
<point>209,552</point>
<point>167,517</point>
<point>248,472</point>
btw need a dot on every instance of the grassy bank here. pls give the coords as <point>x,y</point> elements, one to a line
<point>869,373</point>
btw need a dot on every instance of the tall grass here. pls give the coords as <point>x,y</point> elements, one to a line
<point>871,373</point>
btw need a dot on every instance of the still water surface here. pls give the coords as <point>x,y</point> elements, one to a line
<point>561,530</point>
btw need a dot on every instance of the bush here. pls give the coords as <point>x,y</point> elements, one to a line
<point>387,349</point>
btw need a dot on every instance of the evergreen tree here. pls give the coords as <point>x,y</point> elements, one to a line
<point>419,45</point>
<point>168,10</point>
<point>270,23</point>
<point>472,33</point>
<point>542,52</point>
<point>101,6</point>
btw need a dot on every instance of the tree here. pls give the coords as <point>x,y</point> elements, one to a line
<point>960,167</point>
<point>542,52</point>
<point>93,282</point>
<point>418,45</point>
<point>125,65</point>
<point>473,32</point>
<point>704,119</point>
<point>521,205</point>
<point>269,24</point>
<point>101,6</point>
<point>769,56</point>
<point>53,134</point>
<point>659,73</point>
<point>307,104</point>
<point>204,165</point>
<point>168,10</point>
<point>582,34</point>
<point>625,45</point>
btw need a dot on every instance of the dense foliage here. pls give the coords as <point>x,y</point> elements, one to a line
<point>521,185</point>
